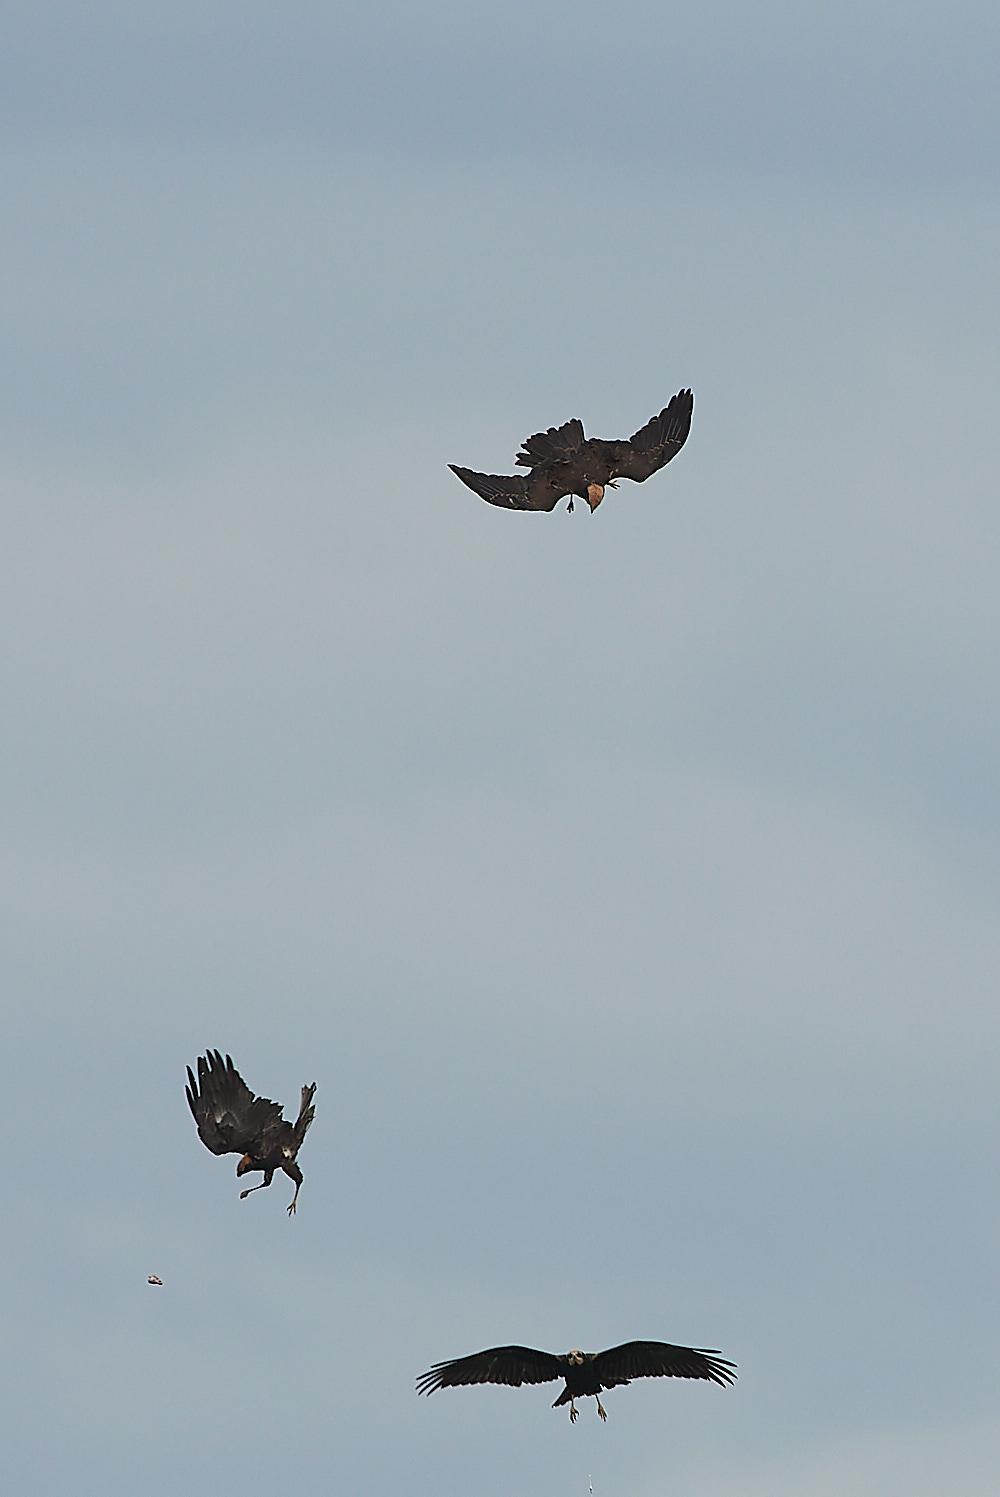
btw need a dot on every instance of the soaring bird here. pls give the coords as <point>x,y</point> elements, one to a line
<point>563,461</point>
<point>586,1372</point>
<point>231,1120</point>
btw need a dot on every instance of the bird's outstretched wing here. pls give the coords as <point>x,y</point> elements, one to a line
<point>654,444</point>
<point>509,491</point>
<point>558,444</point>
<point>659,1359</point>
<point>514,490</point>
<point>511,1365</point>
<point>229,1116</point>
<point>306,1114</point>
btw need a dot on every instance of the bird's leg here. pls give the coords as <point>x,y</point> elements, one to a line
<point>569,507</point>
<point>600,1408</point>
<point>293,1172</point>
<point>268,1177</point>
<point>572,1411</point>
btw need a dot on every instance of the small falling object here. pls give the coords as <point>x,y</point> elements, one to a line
<point>153,1279</point>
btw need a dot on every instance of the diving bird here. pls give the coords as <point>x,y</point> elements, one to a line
<point>586,1372</point>
<point>563,461</point>
<point>231,1120</point>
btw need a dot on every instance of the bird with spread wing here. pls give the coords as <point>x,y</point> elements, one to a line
<point>586,1372</point>
<point>563,461</point>
<point>231,1120</point>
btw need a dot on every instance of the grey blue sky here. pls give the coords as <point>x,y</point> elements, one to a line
<point>628,883</point>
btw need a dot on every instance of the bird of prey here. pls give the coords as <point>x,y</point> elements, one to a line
<point>231,1120</point>
<point>563,461</point>
<point>586,1372</point>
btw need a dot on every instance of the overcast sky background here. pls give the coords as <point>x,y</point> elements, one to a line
<point>628,883</point>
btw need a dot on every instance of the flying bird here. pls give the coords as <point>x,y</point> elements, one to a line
<point>231,1120</point>
<point>586,1372</point>
<point>154,1280</point>
<point>563,461</point>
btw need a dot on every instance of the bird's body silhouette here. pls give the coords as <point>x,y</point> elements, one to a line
<point>586,1373</point>
<point>563,461</point>
<point>231,1120</point>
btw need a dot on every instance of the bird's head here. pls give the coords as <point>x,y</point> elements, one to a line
<point>245,1164</point>
<point>595,493</point>
<point>576,1358</point>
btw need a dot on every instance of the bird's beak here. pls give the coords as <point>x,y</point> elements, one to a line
<point>595,493</point>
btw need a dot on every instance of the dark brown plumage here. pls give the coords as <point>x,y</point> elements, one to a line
<point>563,461</point>
<point>231,1120</point>
<point>586,1373</point>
